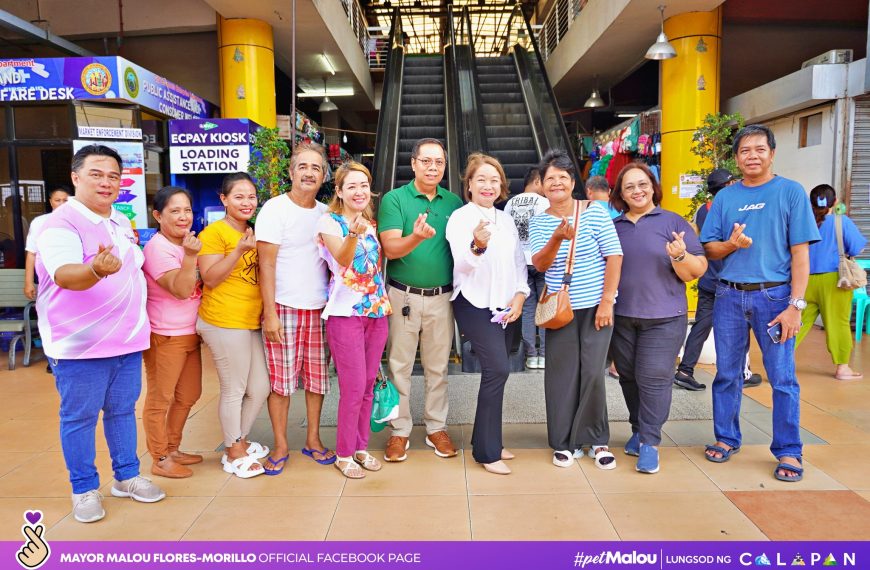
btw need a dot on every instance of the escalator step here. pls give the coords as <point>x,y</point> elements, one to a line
<point>515,156</point>
<point>414,109</point>
<point>502,108</point>
<point>419,120</point>
<point>517,170</point>
<point>428,78</point>
<point>496,70</point>
<point>511,143</point>
<point>505,120</point>
<point>501,97</point>
<point>511,80</point>
<point>417,61</point>
<point>415,71</point>
<point>409,88</point>
<point>500,87</point>
<point>422,99</point>
<point>415,133</point>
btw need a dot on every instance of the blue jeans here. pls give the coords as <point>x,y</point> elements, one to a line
<point>734,313</point>
<point>87,386</point>
<point>536,286</point>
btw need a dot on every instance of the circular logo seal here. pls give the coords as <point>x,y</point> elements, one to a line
<point>96,79</point>
<point>131,82</point>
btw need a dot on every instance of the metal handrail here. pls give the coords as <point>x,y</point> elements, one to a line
<point>387,142</point>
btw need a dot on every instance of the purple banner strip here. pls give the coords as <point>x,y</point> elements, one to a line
<point>441,555</point>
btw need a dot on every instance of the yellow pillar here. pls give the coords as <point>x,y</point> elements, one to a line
<point>247,68</point>
<point>690,90</point>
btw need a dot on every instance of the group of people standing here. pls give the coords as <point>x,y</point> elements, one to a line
<point>259,294</point>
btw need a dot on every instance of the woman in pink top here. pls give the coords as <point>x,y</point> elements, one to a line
<point>173,364</point>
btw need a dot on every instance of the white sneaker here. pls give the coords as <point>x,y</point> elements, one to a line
<point>532,362</point>
<point>88,507</point>
<point>139,489</point>
<point>542,363</point>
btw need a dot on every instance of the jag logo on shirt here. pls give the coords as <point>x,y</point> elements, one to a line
<point>749,207</point>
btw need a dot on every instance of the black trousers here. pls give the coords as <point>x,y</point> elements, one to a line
<point>699,333</point>
<point>491,344</point>
<point>645,352</point>
<point>574,388</point>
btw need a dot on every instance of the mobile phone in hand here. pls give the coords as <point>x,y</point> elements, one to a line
<point>775,333</point>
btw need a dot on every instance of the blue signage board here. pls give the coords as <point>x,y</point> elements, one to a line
<point>88,78</point>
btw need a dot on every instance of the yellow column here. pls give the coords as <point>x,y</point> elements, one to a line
<point>690,90</point>
<point>247,66</point>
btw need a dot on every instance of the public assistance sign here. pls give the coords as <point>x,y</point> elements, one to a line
<point>84,78</point>
<point>212,146</point>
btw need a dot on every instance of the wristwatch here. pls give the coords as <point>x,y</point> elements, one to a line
<point>798,303</point>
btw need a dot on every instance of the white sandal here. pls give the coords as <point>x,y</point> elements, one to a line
<point>369,463</point>
<point>257,450</point>
<point>241,467</point>
<point>351,469</point>
<point>566,462</point>
<point>599,453</point>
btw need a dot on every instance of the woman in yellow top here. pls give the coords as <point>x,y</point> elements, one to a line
<point>229,323</point>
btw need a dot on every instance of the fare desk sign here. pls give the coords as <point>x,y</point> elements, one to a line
<point>209,146</point>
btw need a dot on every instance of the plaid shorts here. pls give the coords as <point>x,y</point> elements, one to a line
<point>301,360</point>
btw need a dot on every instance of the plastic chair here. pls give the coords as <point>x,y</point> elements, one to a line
<point>861,301</point>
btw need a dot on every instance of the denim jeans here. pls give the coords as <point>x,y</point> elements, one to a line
<point>734,314</point>
<point>87,386</point>
<point>536,286</point>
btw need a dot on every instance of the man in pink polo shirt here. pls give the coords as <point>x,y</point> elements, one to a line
<point>94,328</point>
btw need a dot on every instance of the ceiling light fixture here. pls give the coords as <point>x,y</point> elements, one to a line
<point>662,49</point>
<point>595,99</point>
<point>328,63</point>
<point>326,105</point>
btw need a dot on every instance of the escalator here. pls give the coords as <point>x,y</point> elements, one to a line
<point>502,105</point>
<point>421,114</point>
<point>509,134</point>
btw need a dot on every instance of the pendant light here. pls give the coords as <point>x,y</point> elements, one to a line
<point>595,99</point>
<point>662,49</point>
<point>326,105</point>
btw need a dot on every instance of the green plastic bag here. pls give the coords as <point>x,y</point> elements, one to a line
<point>385,406</point>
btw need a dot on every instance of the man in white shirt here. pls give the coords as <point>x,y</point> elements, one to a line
<point>522,208</point>
<point>293,283</point>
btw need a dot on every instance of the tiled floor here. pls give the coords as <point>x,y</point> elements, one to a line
<point>428,498</point>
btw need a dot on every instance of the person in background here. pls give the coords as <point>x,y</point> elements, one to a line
<point>598,189</point>
<point>57,197</point>
<point>173,363</point>
<point>94,328</point>
<point>574,389</point>
<point>293,280</point>
<point>685,375</point>
<point>489,290</point>
<point>661,254</point>
<point>522,208</point>
<point>823,296</point>
<point>761,228</point>
<point>411,222</point>
<point>229,323</point>
<point>356,312</point>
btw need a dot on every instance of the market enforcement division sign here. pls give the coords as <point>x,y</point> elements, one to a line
<point>131,199</point>
<point>212,146</point>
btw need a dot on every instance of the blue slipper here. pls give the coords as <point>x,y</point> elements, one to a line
<point>279,465</point>
<point>726,453</point>
<point>325,461</point>
<point>797,473</point>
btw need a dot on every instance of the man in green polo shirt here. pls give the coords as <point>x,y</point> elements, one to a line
<point>412,220</point>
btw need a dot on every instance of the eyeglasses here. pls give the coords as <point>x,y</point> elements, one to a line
<point>642,186</point>
<point>427,162</point>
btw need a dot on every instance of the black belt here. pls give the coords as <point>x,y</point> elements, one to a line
<point>430,292</point>
<point>753,286</point>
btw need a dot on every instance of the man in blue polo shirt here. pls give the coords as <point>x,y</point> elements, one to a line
<point>761,229</point>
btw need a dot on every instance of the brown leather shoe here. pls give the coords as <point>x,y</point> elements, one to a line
<point>170,469</point>
<point>396,447</point>
<point>183,458</point>
<point>440,441</point>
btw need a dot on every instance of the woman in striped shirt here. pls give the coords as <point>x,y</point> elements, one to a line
<point>574,383</point>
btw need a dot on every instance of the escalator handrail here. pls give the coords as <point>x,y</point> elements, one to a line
<point>550,97</point>
<point>453,134</point>
<point>386,143</point>
<point>480,124</point>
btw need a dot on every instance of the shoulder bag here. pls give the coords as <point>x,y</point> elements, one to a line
<point>554,309</point>
<point>850,274</point>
